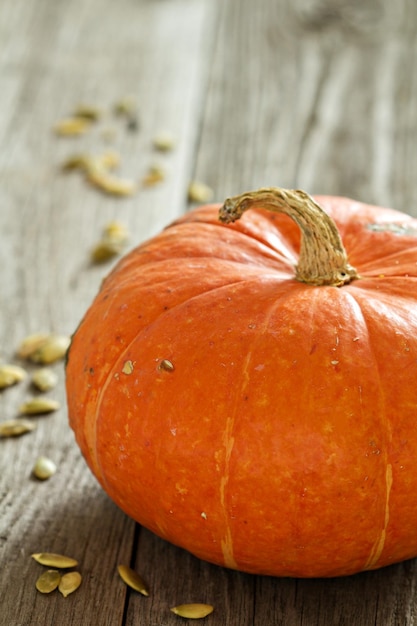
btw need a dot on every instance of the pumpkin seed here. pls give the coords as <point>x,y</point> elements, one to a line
<point>108,160</point>
<point>52,559</point>
<point>103,251</point>
<point>48,581</point>
<point>38,406</point>
<point>111,184</point>
<point>72,126</point>
<point>125,106</point>
<point>132,123</point>
<point>164,141</point>
<point>44,379</point>
<point>69,583</point>
<point>10,375</point>
<point>15,428</point>
<point>116,231</point>
<point>155,175</point>
<point>133,579</point>
<point>114,239</point>
<point>44,468</point>
<point>88,112</point>
<point>127,367</point>
<point>52,349</point>
<point>96,169</point>
<point>30,344</point>
<point>193,611</point>
<point>76,161</point>
<point>199,192</point>
<point>166,365</point>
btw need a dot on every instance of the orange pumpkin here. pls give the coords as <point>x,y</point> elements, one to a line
<point>246,393</point>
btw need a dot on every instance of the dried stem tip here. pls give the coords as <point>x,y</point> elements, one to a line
<point>323,259</point>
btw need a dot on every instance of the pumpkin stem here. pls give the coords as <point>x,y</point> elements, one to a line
<point>323,259</point>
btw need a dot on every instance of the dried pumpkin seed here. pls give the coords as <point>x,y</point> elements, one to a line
<point>88,112</point>
<point>133,579</point>
<point>44,379</point>
<point>48,581</point>
<point>30,344</point>
<point>164,141</point>
<point>103,251</point>
<point>125,106</point>
<point>115,237</point>
<point>108,160</point>
<point>193,611</point>
<point>166,365</point>
<point>44,468</point>
<point>199,192</point>
<point>15,428</point>
<point>156,174</point>
<point>52,349</point>
<point>38,406</point>
<point>97,169</point>
<point>72,126</point>
<point>116,231</point>
<point>127,367</point>
<point>110,184</point>
<point>76,161</point>
<point>69,583</point>
<point>10,375</point>
<point>52,559</point>
<point>132,123</point>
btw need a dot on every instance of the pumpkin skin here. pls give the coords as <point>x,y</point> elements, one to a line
<point>261,423</point>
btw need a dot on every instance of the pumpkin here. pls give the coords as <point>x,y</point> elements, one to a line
<point>246,388</point>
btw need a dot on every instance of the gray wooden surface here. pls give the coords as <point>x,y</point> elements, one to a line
<point>318,94</point>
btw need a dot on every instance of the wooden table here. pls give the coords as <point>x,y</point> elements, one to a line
<point>296,93</point>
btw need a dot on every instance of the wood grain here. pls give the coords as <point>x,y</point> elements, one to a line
<point>318,94</point>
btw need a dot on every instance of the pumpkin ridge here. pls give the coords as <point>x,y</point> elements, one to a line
<point>292,251</point>
<point>378,546</point>
<point>248,229</point>
<point>252,265</point>
<point>267,252</point>
<point>254,259</point>
<point>391,259</point>
<point>239,391</point>
<point>383,290</point>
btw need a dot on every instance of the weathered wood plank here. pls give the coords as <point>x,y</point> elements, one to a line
<point>318,95</point>
<point>384,597</point>
<point>56,55</point>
